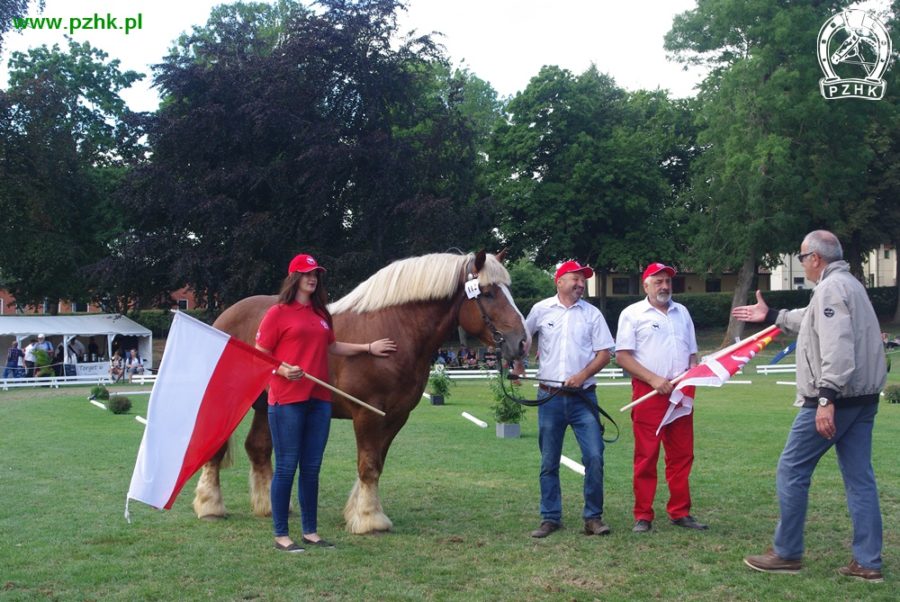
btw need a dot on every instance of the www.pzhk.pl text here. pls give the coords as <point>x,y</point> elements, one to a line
<point>96,22</point>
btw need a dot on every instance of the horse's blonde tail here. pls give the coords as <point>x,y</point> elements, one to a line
<point>363,512</point>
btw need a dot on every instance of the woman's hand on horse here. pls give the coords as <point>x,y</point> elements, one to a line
<point>382,347</point>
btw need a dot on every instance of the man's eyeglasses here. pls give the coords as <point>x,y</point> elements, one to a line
<point>802,256</point>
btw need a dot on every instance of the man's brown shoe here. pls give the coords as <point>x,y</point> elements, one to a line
<point>595,526</point>
<point>770,562</point>
<point>547,527</point>
<point>860,572</point>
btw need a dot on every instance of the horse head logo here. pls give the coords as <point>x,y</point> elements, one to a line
<point>855,39</point>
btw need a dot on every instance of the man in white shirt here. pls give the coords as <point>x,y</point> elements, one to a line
<point>655,342</point>
<point>29,358</point>
<point>43,343</point>
<point>573,345</point>
<point>76,351</point>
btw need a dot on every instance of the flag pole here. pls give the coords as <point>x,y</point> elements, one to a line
<point>715,356</point>
<point>338,391</point>
<point>342,394</point>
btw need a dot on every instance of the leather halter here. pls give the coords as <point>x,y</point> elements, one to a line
<point>472,274</point>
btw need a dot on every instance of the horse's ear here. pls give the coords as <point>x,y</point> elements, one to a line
<point>501,256</point>
<point>480,258</point>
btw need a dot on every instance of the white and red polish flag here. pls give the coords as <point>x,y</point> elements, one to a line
<point>206,383</point>
<point>714,371</point>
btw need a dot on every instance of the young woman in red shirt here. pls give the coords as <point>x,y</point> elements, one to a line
<point>298,331</point>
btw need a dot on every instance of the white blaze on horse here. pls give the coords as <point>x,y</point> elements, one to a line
<point>417,302</point>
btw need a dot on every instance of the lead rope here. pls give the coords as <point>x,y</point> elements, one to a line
<point>566,390</point>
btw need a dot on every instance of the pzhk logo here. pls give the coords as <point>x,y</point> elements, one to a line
<point>853,37</point>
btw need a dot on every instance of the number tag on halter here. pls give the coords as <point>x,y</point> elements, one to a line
<point>472,290</point>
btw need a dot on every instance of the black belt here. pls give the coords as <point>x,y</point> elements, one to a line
<point>550,389</point>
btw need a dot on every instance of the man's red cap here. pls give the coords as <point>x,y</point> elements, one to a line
<point>304,263</point>
<point>573,266</point>
<point>656,268</point>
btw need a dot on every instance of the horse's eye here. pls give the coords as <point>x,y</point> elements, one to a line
<point>489,295</point>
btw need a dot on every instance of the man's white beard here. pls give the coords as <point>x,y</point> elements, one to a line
<point>663,297</point>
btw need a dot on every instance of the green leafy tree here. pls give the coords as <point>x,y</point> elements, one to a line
<point>65,138</point>
<point>284,130</point>
<point>10,9</point>
<point>778,160</point>
<point>578,171</point>
<point>884,171</point>
<point>529,281</point>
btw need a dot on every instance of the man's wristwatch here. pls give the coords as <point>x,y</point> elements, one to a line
<point>824,401</point>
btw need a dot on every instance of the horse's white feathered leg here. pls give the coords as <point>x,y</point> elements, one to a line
<point>363,511</point>
<point>208,495</point>
<point>260,484</point>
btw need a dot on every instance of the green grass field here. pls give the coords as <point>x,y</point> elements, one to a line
<point>462,502</point>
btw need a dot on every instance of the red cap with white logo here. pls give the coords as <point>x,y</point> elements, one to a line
<point>656,268</point>
<point>573,266</point>
<point>304,263</point>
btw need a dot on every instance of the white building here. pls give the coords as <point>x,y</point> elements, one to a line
<point>880,269</point>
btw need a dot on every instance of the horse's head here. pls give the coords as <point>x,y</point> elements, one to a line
<point>488,311</point>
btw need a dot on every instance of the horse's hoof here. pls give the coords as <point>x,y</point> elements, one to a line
<point>213,517</point>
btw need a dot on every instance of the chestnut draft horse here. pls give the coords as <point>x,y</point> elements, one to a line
<point>417,302</point>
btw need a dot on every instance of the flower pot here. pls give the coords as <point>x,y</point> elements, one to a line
<point>437,400</point>
<point>508,431</point>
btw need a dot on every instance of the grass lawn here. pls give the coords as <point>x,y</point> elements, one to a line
<point>462,502</point>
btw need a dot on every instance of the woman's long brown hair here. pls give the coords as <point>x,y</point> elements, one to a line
<point>319,298</point>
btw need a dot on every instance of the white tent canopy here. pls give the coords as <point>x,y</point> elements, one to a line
<point>112,331</point>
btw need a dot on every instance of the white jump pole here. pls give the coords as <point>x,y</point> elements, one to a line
<point>570,463</point>
<point>471,418</point>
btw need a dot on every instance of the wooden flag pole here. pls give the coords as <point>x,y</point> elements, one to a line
<point>335,390</point>
<point>715,356</point>
<point>342,394</point>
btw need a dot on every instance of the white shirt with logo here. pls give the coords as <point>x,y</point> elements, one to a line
<point>570,337</point>
<point>661,342</point>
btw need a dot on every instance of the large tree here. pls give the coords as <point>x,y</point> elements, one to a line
<point>778,159</point>
<point>12,9</point>
<point>65,138</point>
<point>883,190</point>
<point>582,170</point>
<point>284,130</point>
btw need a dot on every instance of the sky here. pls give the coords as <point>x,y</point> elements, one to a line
<point>504,42</point>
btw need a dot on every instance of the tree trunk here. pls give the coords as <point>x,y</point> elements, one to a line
<point>741,291</point>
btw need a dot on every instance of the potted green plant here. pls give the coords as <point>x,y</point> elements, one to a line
<point>507,412</point>
<point>439,384</point>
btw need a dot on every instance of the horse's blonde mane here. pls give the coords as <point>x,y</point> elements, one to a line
<point>424,278</point>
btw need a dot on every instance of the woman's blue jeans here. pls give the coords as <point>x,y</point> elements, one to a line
<point>299,434</point>
<point>579,411</point>
<point>804,447</point>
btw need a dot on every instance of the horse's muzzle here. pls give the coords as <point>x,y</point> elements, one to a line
<point>514,348</point>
